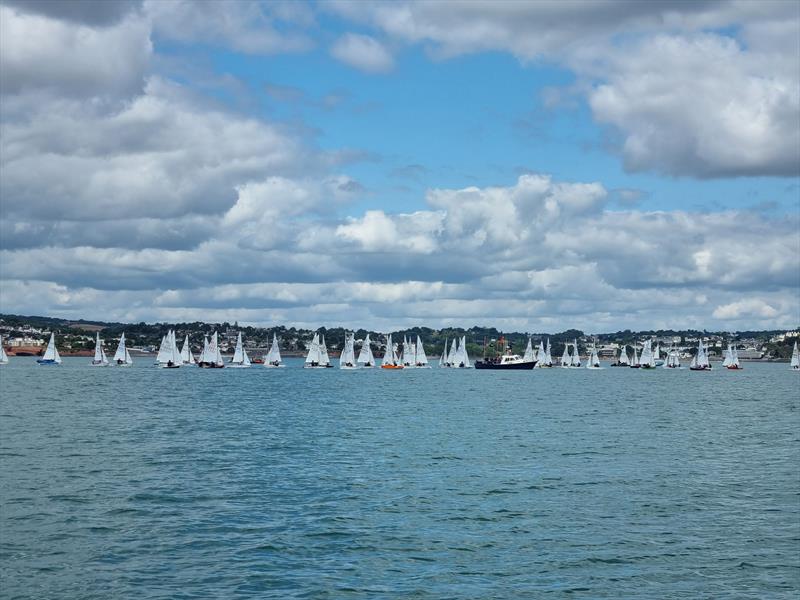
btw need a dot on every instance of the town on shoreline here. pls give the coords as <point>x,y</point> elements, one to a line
<point>27,336</point>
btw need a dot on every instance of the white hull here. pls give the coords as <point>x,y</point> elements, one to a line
<point>237,366</point>
<point>268,366</point>
<point>346,368</point>
<point>595,368</point>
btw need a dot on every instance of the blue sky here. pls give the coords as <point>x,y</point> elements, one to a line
<point>536,166</point>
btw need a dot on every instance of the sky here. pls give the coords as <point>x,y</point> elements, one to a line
<point>533,166</point>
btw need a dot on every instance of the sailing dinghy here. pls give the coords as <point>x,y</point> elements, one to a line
<point>389,357</point>
<point>240,359</point>
<point>421,359</point>
<point>3,355</point>
<point>273,358</point>
<point>794,363</point>
<point>51,355</point>
<point>347,360</point>
<point>122,358</point>
<point>594,360</point>
<point>211,357</point>
<point>365,358</point>
<point>622,361</point>
<point>700,360</point>
<point>186,352</point>
<point>100,359</point>
<point>731,361</point>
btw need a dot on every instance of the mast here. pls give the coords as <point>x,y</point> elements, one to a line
<point>443,356</point>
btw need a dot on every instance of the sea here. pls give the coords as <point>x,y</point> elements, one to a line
<point>429,484</point>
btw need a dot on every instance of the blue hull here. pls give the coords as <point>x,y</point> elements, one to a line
<point>42,361</point>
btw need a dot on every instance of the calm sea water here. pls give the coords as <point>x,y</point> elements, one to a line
<point>189,483</point>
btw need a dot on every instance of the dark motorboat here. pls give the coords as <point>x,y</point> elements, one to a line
<point>506,362</point>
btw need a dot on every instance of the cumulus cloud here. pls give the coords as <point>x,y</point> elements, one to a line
<point>684,98</point>
<point>362,52</point>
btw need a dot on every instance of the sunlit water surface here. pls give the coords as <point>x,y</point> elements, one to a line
<point>189,483</point>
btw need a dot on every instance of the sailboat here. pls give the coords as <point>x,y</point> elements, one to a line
<point>365,358</point>
<point>211,357</point>
<point>443,356</point>
<point>51,355</point>
<point>673,360</point>
<point>622,361</point>
<point>100,359</point>
<point>273,358</point>
<point>657,355</point>
<point>647,359</point>
<point>3,355</point>
<point>168,355</point>
<point>347,360</point>
<point>240,359</point>
<point>576,357</point>
<point>390,358</point>
<point>635,360</point>
<point>794,364</point>
<point>451,357</point>
<point>529,353</point>
<point>566,358</point>
<point>421,359</point>
<point>539,355</point>
<point>461,360</point>
<point>731,358</point>
<point>186,352</point>
<point>700,360</point>
<point>594,360</point>
<point>122,358</point>
<point>325,361</point>
<point>548,358</point>
<point>409,357</point>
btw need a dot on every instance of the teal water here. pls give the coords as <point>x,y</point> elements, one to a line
<point>189,483</point>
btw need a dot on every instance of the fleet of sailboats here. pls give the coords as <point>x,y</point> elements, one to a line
<point>411,354</point>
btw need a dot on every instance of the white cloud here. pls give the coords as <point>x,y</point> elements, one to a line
<point>750,308</point>
<point>362,52</point>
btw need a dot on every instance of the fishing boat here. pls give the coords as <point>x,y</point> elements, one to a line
<point>700,360</point>
<point>594,360</point>
<point>506,360</point>
<point>51,355</point>
<point>673,360</point>
<point>347,359</point>
<point>576,357</point>
<point>186,352</point>
<point>390,357</point>
<point>420,358</point>
<point>3,355</point>
<point>365,358</point>
<point>168,356</point>
<point>566,358</point>
<point>100,359</point>
<point>622,360</point>
<point>647,360</point>
<point>731,361</point>
<point>273,358</point>
<point>211,357</point>
<point>122,358</point>
<point>794,363</point>
<point>240,359</point>
<point>635,360</point>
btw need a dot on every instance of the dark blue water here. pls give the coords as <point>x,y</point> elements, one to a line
<point>188,483</point>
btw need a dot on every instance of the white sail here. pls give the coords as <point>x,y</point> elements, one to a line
<point>541,355</point>
<point>388,356</point>
<point>634,359</point>
<point>794,363</point>
<point>119,355</point>
<point>240,358</point>
<point>99,359</point>
<point>186,352</point>
<point>548,358</point>
<point>313,356</point>
<point>657,352</point>
<point>728,361</point>
<point>409,353</point>
<point>211,353</point>
<point>365,357</point>
<point>576,357</point>
<point>347,359</point>
<point>421,357</point>
<point>443,356</point>
<point>128,359</point>
<point>164,353</point>
<point>529,355</point>
<point>3,355</point>
<point>647,359</point>
<point>323,353</point>
<point>566,358</point>
<point>594,360</point>
<point>175,353</point>
<point>702,355</point>
<point>623,355</point>
<point>204,352</point>
<point>451,357</point>
<point>735,356</point>
<point>273,358</point>
<point>462,358</point>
